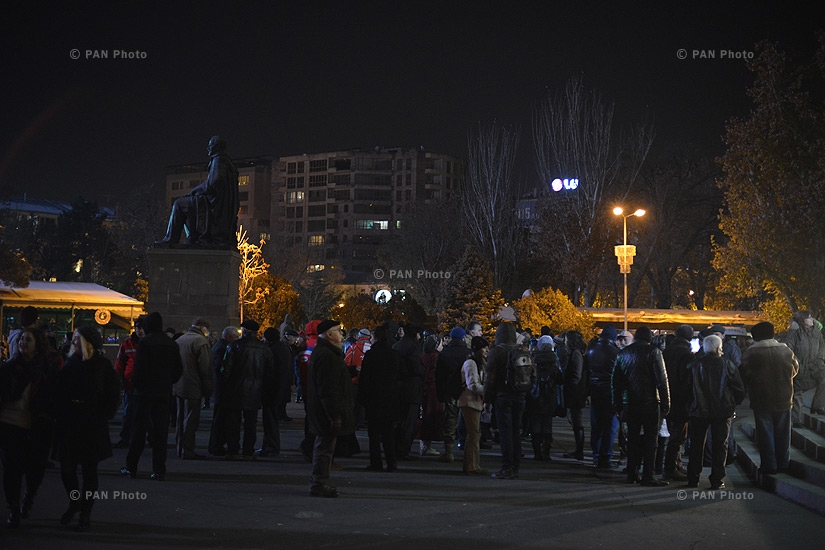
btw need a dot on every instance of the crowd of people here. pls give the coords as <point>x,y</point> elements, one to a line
<point>404,384</point>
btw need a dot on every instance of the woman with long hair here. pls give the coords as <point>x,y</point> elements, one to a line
<point>26,420</point>
<point>471,403</point>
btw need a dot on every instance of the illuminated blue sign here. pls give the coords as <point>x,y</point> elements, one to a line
<point>567,183</point>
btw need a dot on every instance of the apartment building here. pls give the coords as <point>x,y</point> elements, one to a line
<point>342,205</point>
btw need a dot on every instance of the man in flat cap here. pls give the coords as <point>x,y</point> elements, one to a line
<point>329,405</point>
<point>194,383</point>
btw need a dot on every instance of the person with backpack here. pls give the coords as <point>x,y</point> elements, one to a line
<point>509,377</point>
<point>543,401</point>
<point>89,391</point>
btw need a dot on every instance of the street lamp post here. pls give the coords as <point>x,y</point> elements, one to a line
<point>625,253</point>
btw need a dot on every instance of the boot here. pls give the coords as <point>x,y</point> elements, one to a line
<point>14,515</point>
<point>448,453</point>
<point>537,454</point>
<point>85,515</point>
<point>580,444</point>
<point>68,515</point>
<point>546,443</point>
<point>26,505</point>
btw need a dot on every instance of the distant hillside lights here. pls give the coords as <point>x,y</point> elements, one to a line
<point>567,183</point>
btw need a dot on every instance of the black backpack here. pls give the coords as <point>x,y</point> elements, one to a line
<point>520,372</point>
<point>455,383</point>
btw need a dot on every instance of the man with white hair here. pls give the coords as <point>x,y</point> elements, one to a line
<point>714,390</point>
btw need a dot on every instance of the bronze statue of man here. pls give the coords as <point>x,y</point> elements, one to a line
<point>209,213</point>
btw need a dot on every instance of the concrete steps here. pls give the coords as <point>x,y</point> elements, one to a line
<point>804,482</point>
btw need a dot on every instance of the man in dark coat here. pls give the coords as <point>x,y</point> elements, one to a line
<point>768,370</point>
<point>677,356</point>
<point>248,362</point>
<point>276,392</point>
<point>412,387</point>
<point>329,405</point>
<point>449,362</point>
<point>640,389</point>
<point>157,367</point>
<point>217,437</point>
<point>715,389</point>
<point>598,361</point>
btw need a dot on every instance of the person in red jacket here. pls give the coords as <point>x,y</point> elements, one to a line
<point>125,366</point>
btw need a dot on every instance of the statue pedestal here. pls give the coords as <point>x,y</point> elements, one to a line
<point>187,283</point>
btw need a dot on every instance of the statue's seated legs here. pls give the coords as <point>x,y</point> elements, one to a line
<point>189,213</point>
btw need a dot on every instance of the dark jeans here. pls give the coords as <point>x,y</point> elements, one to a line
<point>270,415</point>
<point>406,430</point>
<point>381,432</point>
<point>186,424</point>
<point>233,431</point>
<point>151,415</point>
<point>14,442</point>
<point>128,416</point>
<point>509,410</point>
<point>773,436</point>
<point>719,428</point>
<point>603,426</point>
<point>217,437</point>
<point>641,449</point>
<point>677,426</point>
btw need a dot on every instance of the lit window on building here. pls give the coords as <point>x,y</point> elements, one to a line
<point>316,240</point>
<point>243,180</point>
<point>315,268</point>
<point>293,197</point>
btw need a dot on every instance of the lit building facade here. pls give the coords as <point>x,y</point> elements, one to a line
<point>342,205</point>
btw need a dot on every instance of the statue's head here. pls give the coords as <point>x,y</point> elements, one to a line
<point>216,145</point>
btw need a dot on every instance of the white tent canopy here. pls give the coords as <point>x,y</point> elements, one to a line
<point>107,304</point>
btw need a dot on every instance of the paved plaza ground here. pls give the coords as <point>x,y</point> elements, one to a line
<point>426,505</point>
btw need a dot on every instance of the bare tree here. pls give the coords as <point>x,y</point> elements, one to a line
<point>489,196</point>
<point>575,138</point>
<point>252,266</point>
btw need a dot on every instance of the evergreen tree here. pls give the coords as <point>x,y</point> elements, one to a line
<point>469,294</point>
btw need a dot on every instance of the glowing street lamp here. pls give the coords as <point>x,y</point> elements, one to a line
<point>625,253</point>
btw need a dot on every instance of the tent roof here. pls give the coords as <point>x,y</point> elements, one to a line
<point>61,295</point>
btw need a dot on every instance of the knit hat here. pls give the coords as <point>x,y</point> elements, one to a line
<point>762,331</point>
<point>685,331</point>
<point>644,334</point>
<point>272,334</point>
<point>608,333</point>
<point>479,342</point>
<point>545,343</point>
<point>458,334</point>
<point>91,335</point>
<point>364,332</point>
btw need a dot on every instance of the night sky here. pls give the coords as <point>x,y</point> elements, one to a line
<point>286,78</point>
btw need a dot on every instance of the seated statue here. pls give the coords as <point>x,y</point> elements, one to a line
<point>209,213</point>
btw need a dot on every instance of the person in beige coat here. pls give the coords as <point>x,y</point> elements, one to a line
<point>471,403</point>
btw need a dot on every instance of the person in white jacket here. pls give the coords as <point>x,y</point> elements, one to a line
<point>471,403</point>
